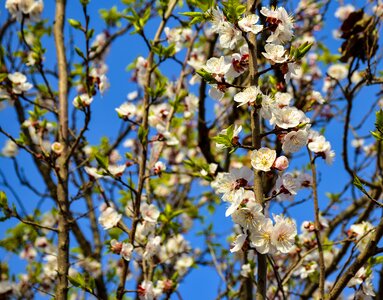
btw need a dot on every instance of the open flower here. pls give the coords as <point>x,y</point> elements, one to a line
<point>287,117</point>
<point>116,171</point>
<point>150,213</point>
<point>263,159</point>
<point>238,244</point>
<point>226,183</point>
<point>261,238</point>
<point>82,101</point>
<point>93,173</point>
<point>109,218</point>
<point>280,24</point>
<point>283,235</point>
<point>159,166</point>
<point>294,141</point>
<point>249,213</point>
<point>10,149</point>
<point>247,96</point>
<point>247,24</point>
<point>287,185</point>
<point>19,83</point>
<point>229,36</point>
<point>57,147</point>
<point>126,110</point>
<point>218,67</point>
<point>275,53</point>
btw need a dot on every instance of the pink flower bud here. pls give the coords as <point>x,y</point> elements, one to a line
<point>306,224</point>
<point>281,163</point>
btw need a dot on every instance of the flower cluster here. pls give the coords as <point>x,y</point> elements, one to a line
<point>28,9</point>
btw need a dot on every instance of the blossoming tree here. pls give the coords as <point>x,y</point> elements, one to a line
<point>232,106</point>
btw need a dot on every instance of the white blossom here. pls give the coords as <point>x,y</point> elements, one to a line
<point>159,167</point>
<point>263,159</point>
<point>249,215</point>
<point>294,141</point>
<point>238,244</point>
<point>126,110</point>
<point>178,36</point>
<point>226,183</point>
<point>152,247</point>
<point>109,218</point>
<point>283,235</point>
<point>93,172</point>
<point>146,290</point>
<point>19,83</point>
<point>363,232</point>
<point>344,11</point>
<point>287,117</point>
<point>150,213</point>
<point>287,185</point>
<point>126,251</point>
<point>82,101</point>
<point>29,9</point>
<point>229,36</point>
<point>247,24</point>
<point>283,31</point>
<point>218,67</point>
<point>10,149</point>
<point>116,171</point>
<point>337,71</point>
<point>261,238</point>
<point>275,53</point>
<point>247,96</point>
<point>183,264</point>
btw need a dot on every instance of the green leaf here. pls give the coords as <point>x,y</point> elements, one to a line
<point>111,17</point>
<point>4,208</point>
<point>206,76</point>
<point>358,184</point>
<point>302,50</point>
<point>233,10</point>
<point>230,132</point>
<point>197,17</point>
<point>377,260</point>
<point>103,161</point>
<point>79,281</point>
<point>79,52</point>
<point>143,135</point>
<point>75,24</point>
<point>90,34</point>
<point>3,76</point>
<point>192,14</point>
<point>378,133</point>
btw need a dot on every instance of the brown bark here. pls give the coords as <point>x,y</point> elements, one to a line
<point>62,165</point>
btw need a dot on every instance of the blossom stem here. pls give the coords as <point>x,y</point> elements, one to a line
<point>322,268</point>
<point>256,143</point>
<point>62,163</point>
<point>144,144</point>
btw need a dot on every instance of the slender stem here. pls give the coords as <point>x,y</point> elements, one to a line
<point>322,268</point>
<point>62,187</point>
<point>144,144</point>
<point>369,251</point>
<point>256,143</point>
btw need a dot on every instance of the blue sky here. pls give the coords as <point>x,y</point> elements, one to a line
<point>201,283</point>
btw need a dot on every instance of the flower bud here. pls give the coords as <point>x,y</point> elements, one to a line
<point>281,163</point>
<point>57,147</point>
